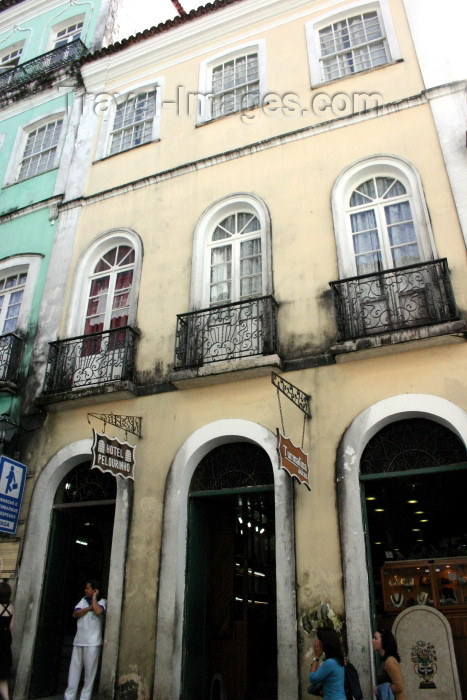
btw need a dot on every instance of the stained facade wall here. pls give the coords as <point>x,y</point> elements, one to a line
<point>157,193</point>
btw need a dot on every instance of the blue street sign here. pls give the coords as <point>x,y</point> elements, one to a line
<point>12,480</point>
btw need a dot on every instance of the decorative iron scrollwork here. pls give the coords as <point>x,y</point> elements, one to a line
<point>236,465</point>
<point>401,298</point>
<point>415,443</point>
<point>130,424</point>
<point>11,346</point>
<point>227,332</point>
<point>297,396</point>
<point>84,484</point>
<point>91,360</point>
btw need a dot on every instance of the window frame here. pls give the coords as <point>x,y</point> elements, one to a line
<point>313,28</point>
<point>8,50</point>
<point>31,265</point>
<point>350,179</point>
<point>85,271</point>
<point>202,245</point>
<point>112,274</point>
<point>17,152</point>
<point>207,67</point>
<point>109,110</point>
<point>64,24</point>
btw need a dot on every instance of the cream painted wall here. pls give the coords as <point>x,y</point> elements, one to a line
<point>287,73</point>
<point>297,177</point>
<point>339,393</point>
<point>294,177</point>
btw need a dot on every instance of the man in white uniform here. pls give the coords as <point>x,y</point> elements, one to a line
<point>87,643</point>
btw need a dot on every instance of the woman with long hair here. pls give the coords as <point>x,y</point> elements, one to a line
<point>330,675</point>
<point>385,645</point>
<point>6,628</point>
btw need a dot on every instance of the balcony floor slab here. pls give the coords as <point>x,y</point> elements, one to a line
<point>222,372</point>
<point>86,396</point>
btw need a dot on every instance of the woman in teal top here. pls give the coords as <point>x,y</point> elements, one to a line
<point>330,675</point>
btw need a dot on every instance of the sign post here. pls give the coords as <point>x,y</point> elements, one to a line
<point>12,480</point>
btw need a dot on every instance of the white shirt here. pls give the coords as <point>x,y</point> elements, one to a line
<point>89,631</point>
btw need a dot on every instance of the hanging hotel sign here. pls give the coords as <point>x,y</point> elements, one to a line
<point>293,459</point>
<point>111,455</point>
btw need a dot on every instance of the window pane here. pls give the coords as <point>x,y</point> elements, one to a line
<point>405,255</point>
<point>10,325</point>
<point>364,221</point>
<point>220,292</point>
<point>99,285</point>
<point>221,254</point>
<point>368,263</point>
<point>363,194</point>
<point>13,311</point>
<point>250,286</point>
<point>124,279</point>
<point>366,242</point>
<point>125,255</point>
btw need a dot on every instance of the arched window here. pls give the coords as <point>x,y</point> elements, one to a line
<point>106,285</point>
<point>11,295</point>
<point>390,278</point>
<point>380,217</point>
<point>235,260</point>
<point>110,287</point>
<point>382,225</point>
<point>233,313</point>
<point>231,253</point>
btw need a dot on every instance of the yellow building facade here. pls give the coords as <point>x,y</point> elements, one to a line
<point>229,166</point>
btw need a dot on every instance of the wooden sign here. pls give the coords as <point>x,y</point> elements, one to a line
<point>293,459</point>
<point>111,455</point>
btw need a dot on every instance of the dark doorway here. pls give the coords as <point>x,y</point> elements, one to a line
<point>79,549</point>
<point>413,475</point>
<point>230,636</point>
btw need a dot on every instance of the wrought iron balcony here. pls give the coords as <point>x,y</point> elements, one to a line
<point>227,332</point>
<point>11,346</point>
<point>41,66</point>
<point>405,297</point>
<point>91,360</point>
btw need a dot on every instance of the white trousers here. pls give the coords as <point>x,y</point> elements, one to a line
<point>89,658</point>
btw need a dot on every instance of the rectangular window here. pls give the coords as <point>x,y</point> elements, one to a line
<point>40,150</point>
<point>235,85</point>
<point>133,123</point>
<point>68,34</point>
<point>10,60</point>
<point>351,45</point>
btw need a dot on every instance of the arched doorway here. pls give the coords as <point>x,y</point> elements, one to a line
<point>230,639</point>
<point>352,527</point>
<point>413,474</point>
<point>79,548</point>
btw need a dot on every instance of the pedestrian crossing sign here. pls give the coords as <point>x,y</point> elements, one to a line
<point>12,480</point>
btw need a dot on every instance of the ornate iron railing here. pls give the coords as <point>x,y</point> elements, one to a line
<point>91,360</point>
<point>11,346</point>
<point>405,297</point>
<point>41,66</point>
<point>228,332</point>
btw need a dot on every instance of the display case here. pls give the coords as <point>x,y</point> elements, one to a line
<point>441,583</point>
